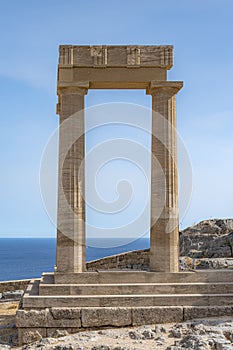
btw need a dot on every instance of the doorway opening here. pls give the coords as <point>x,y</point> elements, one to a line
<point>118,171</point>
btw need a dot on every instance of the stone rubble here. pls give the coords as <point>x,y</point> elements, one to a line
<point>198,334</point>
<point>11,295</point>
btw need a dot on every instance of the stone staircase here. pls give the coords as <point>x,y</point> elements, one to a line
<point>131,289</point>
<point>121,298</point>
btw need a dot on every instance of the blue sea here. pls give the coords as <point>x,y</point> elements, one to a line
<point>22,258</point>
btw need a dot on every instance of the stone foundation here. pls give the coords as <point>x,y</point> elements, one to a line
<point>120,298</point>
<point>48,322</point>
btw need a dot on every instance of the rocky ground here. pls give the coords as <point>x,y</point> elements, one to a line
<point>197,334</point>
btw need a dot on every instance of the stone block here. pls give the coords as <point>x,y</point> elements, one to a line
<point>13,295</point>
<point>110,316</point>
<point>63,318</point>
<point>27,336</point>
<point>65,313</point>
<point>31,318</point>
<point>158,314</point>
<point>191,312</point>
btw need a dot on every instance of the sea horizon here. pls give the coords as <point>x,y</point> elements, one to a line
<point>25,258</point>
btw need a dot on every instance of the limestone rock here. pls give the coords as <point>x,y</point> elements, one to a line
<point>209,238</point>
<point>31,318</point>
<point>59,333</point>
<point>134,335</point>
<point>150,315</point>
<point>65,313</point>
<point>64,347</point>
<point>94,317</point>
<point>12,295</point>
<point>31,337</point>
<point>148,334</point>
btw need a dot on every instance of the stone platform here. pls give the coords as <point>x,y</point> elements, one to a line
<point>120,298</point>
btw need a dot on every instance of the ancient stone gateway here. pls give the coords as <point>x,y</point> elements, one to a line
<point>72,298</point>
<point>116,67</point>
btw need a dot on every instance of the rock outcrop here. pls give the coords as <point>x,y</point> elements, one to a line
<point>207,245</point>
<point>208,239</point>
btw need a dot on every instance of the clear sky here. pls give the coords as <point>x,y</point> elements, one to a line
<point>30,33</point>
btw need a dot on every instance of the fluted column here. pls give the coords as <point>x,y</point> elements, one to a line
<point>71,240</point>
<point>164,232</point>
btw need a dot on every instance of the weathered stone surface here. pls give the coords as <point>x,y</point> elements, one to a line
<point>187,263</point>
<point>100,347</point>
<point>150,315</point>
<point>208,239</point>
<point>31,318</point>
<point>111,316</point>
<point>191,312</point>
<point>57,333</point>
<point>137,260</point>
<point>193,342</point>
<point>63,317</point>
<point>13,295</point>
<point>116,56</point>
<point>27,336</point>
<point>13,285</point>
<point>65,313</point>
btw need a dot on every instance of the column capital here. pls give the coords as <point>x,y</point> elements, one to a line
<point>171,87</point>
<point>80,88</point>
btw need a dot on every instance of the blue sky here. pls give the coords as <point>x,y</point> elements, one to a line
<point>31,31</point>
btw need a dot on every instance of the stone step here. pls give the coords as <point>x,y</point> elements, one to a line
<point>30,301</point>
<point>136,288</point>
<point>47,278</point>
<point>129,276</point>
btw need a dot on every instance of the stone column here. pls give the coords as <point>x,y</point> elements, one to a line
<point>71,240</point>
<point>164,232</point>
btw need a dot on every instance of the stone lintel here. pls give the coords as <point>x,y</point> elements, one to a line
<point>164,86</point>
<point>111,78</point>
<point>100,56</point>
<point>129,276</point>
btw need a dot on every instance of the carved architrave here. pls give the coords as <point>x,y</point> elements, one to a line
<point>133,56</point>
<point>99,55</point>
